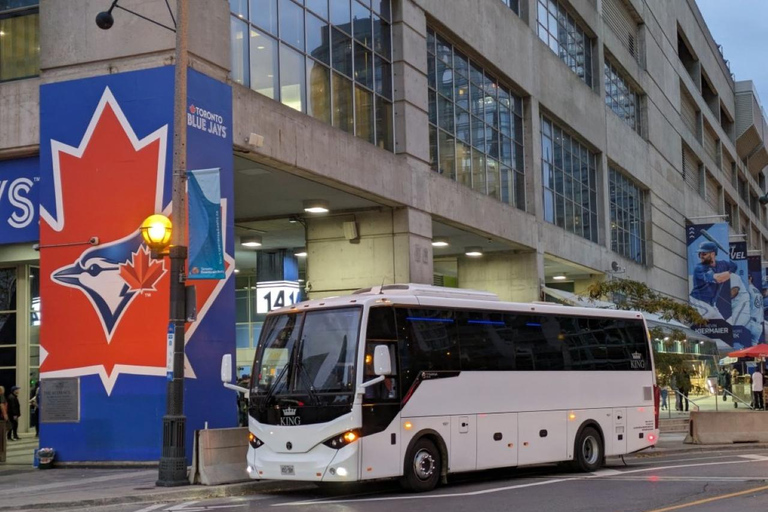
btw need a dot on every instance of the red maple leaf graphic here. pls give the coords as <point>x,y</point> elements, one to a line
<point>107,187</point>
<point>142,273</point>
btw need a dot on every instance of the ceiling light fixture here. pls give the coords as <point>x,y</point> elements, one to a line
<point>474,252</point>
<point>250,241</point>
<point>316,206</point>
<point>301,252</point>
<point>440,241</point>
<point>559,277</point>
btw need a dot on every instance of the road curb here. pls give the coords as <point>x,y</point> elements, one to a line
<point>179,494</point>
<point>702,448</point>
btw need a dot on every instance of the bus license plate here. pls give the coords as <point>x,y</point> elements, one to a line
<point>287,471</point>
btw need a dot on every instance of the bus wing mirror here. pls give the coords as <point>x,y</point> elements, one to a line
<point>226,368</point>
<point>382,363</point>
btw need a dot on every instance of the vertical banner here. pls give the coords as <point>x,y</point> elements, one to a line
<point>105,165</point>
<point>740,297</point>
<point>709,274</point>
<point>206,250</point>
<point>18,200</point>
<point>755,287</point>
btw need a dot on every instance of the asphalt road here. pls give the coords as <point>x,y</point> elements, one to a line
<point>691,482</point>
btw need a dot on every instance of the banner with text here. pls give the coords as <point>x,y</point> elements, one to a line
<point>756,291</point>
<point>206,252</point>
<point>740,299</point>
<point>709,273</point>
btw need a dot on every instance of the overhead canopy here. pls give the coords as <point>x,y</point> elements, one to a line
<point>760,350</point>
<point>653,320</point>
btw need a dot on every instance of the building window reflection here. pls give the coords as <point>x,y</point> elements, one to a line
<point>475,125</point>
<point>19,39</point>
<point>627,217</point>
<point>569,181</point>
<point>564,36</point>
<point>331,59</point>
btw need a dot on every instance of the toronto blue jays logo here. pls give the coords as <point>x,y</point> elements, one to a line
<point>106,304</point>
<point>111,276</point>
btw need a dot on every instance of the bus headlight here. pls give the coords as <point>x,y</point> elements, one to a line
<point>342,440</point>
<point>254,441</point>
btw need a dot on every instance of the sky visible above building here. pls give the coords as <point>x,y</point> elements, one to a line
<point>741,27</point>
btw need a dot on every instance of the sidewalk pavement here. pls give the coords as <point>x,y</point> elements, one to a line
<point>23,488</point>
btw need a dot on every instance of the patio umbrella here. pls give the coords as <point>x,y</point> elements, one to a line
<point>754,351</point>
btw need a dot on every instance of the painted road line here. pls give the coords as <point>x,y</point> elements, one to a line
<point>754,457</point>
<point>710,500</point>
<point>514,487</point>
<point>152,507</point>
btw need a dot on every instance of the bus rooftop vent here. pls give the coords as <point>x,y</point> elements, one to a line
<point>425,290</point>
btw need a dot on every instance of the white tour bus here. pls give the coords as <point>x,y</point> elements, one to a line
<point>417,382</point>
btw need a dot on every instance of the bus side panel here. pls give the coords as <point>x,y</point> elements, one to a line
<point>640,428</point>
<point>381,453</point>
<point>542,437</point>
<point>463,451</point>
<point>496,440</point>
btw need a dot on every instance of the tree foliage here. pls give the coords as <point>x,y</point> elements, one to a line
<point>634,295</point>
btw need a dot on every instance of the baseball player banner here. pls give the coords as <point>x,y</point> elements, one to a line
<point>740,318</point>
<point>756,291</point>
<point>709,277</point>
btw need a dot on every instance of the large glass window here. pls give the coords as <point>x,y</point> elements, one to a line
<point>19,39</point>
<point>560,31</point>
<point>627,217</point>
<point>512,4</point>
<point>331,59</point>
<point>8,328</point>
<point>622,97</point>
<point>475,125</point>
<point>569,177</point>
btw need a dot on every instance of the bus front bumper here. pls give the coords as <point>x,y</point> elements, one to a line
<point>320,464</point>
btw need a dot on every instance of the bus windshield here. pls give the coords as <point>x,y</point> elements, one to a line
<point>307,353</point>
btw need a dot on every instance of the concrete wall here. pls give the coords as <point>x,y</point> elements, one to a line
<point>513,276</point>
<point>393,246</point>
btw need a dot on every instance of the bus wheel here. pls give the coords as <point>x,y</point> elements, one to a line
<point>588,455</point>
<point>423,466</point>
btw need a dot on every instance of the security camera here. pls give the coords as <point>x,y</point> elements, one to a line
<point>763,199</point>
<point>105,20</point>
<point>94,240</point>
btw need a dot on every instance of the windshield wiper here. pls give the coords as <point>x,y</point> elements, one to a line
<point>274,385</point>
<point>310,388</point>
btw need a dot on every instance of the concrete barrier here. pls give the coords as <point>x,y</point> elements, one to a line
<point>709,427</point>
<point>219,456</point>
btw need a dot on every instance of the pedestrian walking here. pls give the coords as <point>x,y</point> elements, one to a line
<point>664,394</point>
<point>757,390</point>
<point>725,382</point>
<point>3,422</point>
<point>14,412</point>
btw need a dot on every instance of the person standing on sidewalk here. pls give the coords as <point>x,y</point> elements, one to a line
<point>14,411</point>
<point>3,422</point>
<point>685,387</point>
<point>757,390</point>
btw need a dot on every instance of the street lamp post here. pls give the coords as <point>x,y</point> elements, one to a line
<point>173,460</point>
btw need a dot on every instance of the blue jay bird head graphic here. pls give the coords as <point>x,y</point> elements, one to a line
<point>97,274</point>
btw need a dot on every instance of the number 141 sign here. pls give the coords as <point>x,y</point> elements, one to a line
<point>275,295</point>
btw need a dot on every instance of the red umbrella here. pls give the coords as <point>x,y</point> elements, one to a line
<point>754,351</point>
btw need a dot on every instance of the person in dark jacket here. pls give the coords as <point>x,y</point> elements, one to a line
<point>14,412</point>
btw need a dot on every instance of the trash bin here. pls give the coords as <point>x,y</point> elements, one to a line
<point>45,457</point>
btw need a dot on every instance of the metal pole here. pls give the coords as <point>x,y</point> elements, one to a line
<point>173,461</point>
